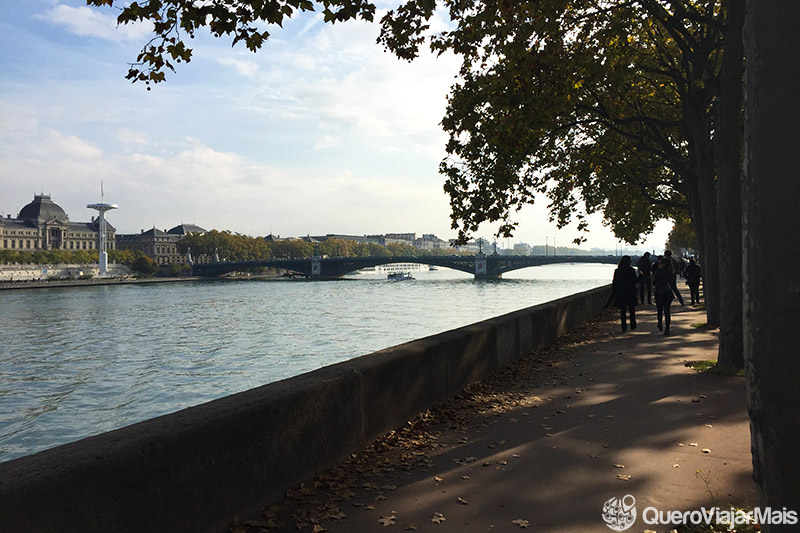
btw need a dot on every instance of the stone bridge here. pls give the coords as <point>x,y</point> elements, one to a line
<point>481,266</point>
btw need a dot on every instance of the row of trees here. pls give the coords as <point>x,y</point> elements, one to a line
<point>66,257</point>
<point>236,247</point>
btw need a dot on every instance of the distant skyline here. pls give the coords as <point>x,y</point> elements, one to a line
<point>319,132</point>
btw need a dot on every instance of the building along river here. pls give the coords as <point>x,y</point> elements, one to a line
<point>75,362</point>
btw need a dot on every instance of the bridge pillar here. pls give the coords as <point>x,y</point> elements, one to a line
<point>316,267</point>
<point>481,268</point>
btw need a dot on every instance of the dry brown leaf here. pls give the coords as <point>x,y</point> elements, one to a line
<point>387,520</point>
<point>706,450</point>
<point>462,501</point>
<point>438,518</point>
<point>438,479</point>
<point>318,529</point>
<point>619,466</point>
<point>521,523</point>
<point>411,527</point>
<point>624,477</point>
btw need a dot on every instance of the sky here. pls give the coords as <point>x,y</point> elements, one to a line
<point>319,132</point>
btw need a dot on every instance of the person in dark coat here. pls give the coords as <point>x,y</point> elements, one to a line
<point>623,291</point>
<point>693,275</point>
<point>645,268</point>
<point>664,287</point>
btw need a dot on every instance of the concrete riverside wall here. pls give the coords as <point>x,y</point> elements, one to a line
<point>198,469</point>
<point>30,272</point>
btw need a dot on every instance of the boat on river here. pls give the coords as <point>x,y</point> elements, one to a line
<point>400,276</point>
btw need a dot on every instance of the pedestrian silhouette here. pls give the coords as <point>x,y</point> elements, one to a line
<point>623,291</point>
<point>645,277</point>
<point>693,275</point>
<point>664,288</point>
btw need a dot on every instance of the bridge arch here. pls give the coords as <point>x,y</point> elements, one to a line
<point>481,266</point>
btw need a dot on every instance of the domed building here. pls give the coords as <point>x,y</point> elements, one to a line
<point>43,225</point>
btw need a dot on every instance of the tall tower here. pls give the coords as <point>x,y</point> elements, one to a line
<point>101,238</point>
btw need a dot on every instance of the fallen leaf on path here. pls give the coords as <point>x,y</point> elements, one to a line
<point>438,479</point>
<point>438,518</point>
<point>462,501</point>
<point>369,507</point>
<point>465,477</point>
<point>594,456</point>
<point>676,465</point>
<point>411,527</point>
<point>619,466</point>
<point>516,455</point>
<point>318,529</point>
<point>706,450</point>
<point>387,520</point>
<point>693,444</point>
<point>521,523</point>
<point>623,477</point>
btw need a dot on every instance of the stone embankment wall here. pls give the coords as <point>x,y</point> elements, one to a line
<point>17,272</point>
<point>197,469</point>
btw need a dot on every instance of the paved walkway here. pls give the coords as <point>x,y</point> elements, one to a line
<point>544,445</point>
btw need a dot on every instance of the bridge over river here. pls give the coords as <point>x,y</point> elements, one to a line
<point>480,265</point>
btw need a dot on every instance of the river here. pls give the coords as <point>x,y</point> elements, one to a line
<point>75,362</point>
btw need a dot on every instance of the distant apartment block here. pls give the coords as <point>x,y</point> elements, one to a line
<point>161,246</point>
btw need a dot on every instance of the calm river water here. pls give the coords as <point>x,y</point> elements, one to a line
<point>79,361</point>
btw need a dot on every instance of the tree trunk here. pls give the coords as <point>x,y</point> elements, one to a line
<point>728,159</point>
<point>697,120</point>
<point>771,196</point>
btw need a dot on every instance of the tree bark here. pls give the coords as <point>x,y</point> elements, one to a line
<point>698,127</point>
<point>728,159</point>
<point>771,196</point>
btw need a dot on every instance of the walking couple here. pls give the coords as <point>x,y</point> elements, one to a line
<point>624,292</point>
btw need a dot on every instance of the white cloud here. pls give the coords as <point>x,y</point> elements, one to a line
<point>89,22</point>
<point>325,142</point>
<point>243,68</point>
<point>129,136</point>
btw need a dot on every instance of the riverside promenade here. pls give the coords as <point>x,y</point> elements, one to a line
<point>544,444</point>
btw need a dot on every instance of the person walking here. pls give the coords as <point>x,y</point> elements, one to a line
<point>664,288</point>
<point>693,275</point>
<point>623,291</point>
<point>645,277</point>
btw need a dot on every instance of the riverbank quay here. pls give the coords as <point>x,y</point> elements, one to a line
<point>199,468</point>
<point>20,285</point>
<point>546,443</point>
